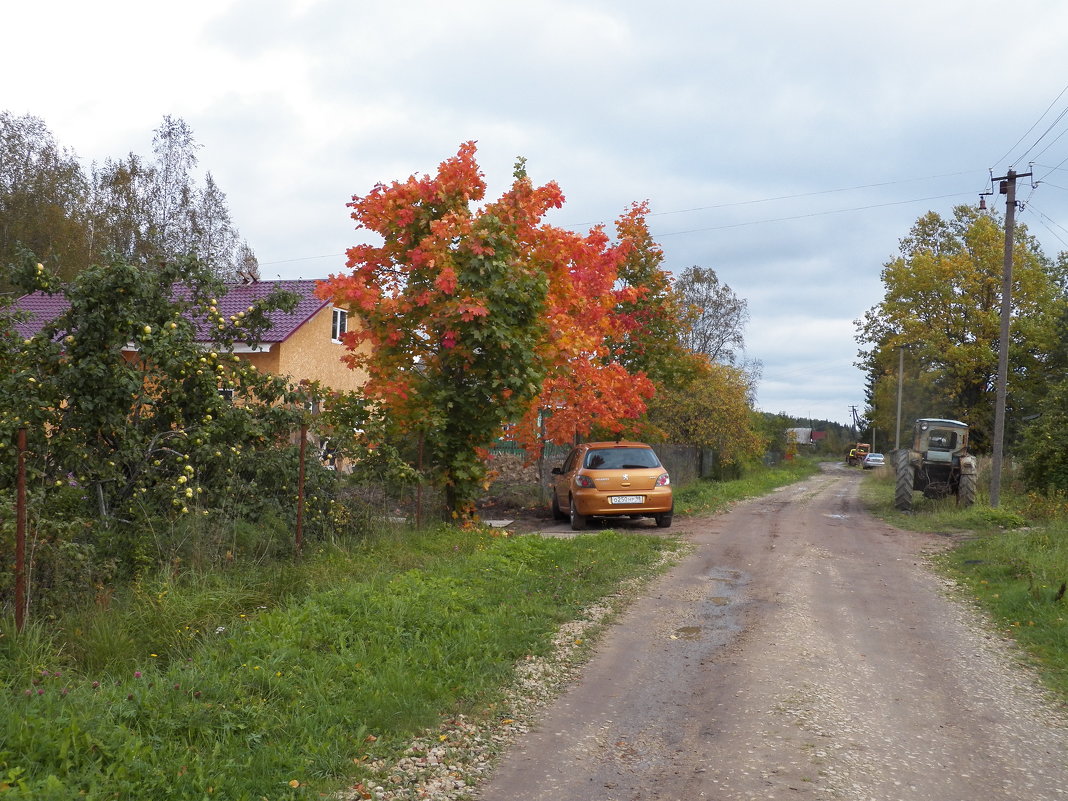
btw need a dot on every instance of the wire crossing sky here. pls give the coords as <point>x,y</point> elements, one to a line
<point>787,146</point>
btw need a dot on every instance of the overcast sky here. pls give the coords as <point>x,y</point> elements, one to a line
<point>786,145</point>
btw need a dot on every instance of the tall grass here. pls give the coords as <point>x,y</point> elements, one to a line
<point>283,683</point>
<point>943,514</point>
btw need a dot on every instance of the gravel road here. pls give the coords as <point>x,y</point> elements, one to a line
<point>802,651</point>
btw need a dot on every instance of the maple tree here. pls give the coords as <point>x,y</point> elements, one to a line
<point>654,317</point>
<point>471,318</point>
<point>588,387</point>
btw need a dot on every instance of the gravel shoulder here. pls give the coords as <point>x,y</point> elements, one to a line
<point>803,650</point>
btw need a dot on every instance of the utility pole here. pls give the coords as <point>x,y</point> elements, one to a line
<point>900,374</point>
<point>1008,188</point>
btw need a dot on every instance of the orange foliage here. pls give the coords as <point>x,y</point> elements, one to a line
<point>424,304</point>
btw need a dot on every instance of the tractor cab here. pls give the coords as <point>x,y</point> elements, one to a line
<point>940,440</point>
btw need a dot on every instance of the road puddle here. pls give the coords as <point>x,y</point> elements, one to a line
<point>688,633</point>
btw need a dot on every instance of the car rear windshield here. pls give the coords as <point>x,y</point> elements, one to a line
<point>620,459</point>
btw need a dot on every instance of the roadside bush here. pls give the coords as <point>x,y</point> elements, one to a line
<point>1052,505</point>
<point>1045,463</point>
<point>999,517</point>
<point>64,566</point>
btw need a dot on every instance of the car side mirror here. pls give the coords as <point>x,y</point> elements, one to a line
<point>557,471</point>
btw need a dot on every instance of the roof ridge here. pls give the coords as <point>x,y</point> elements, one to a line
<point>46,307</point>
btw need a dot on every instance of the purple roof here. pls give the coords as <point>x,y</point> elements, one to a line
<point>239,297</point>
<point>43,309</point>
<point>46,308</point>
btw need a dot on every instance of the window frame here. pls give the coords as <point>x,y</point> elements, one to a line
<point>339,324</point>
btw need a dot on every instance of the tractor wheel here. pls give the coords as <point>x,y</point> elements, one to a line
<point>966,489</point>
<point>903,490</point>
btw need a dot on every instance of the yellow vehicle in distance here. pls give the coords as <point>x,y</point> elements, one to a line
<point>857,454</point>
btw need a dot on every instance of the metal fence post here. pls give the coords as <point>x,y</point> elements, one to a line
<point>20,533</point>
<point>300,487</point>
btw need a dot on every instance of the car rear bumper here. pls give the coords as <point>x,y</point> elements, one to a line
<point>595,503</point>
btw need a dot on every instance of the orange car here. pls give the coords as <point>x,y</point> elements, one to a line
<point>611,479</point>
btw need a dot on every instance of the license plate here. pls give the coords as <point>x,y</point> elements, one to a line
<point>627,499</point>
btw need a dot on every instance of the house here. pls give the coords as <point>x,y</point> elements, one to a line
<point>304,344</point>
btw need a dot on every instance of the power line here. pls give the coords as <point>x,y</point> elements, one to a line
<point>1051,144</point>
<point>301,258</point>
<point>744,203</point>
<point>1053,170</point>
<point>813,194</point>
<point>1048,223</point>
<point>1044,134</point>
<point>1035,125</point>
<point>789,197</point>
<point>814,214</point>
<point>772,375</point>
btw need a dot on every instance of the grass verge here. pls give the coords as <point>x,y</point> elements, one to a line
<point>1011,561</point>
<point>706,497</point>
<point>290,684</point>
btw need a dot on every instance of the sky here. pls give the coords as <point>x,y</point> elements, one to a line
<point>788,146</point>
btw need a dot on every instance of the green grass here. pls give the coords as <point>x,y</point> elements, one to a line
<point>706,497</point>
<point>284,683</point>
<point>1017,576</point>
<point>942,515</point>
<point>1011,561</point>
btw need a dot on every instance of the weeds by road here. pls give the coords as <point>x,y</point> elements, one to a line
<point>1012,561</point>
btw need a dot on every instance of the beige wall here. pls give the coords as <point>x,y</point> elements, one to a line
<point>310,354</point>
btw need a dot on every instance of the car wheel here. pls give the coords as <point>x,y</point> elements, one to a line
<point>578,522</point>
<point>557,512</point>
<point>664,520</point>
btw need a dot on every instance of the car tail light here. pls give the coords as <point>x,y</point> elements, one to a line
<point>584,481</point>
<point>663,480</point>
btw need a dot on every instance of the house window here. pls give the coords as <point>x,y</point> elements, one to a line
<point>339,325</point>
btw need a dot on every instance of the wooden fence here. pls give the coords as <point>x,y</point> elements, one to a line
<point>685,463</point>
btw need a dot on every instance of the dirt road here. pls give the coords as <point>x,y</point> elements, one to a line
<point>801,652</point>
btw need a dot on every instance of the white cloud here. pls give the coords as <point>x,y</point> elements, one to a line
<point>302,103</point>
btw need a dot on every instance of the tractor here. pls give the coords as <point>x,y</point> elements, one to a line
<point>938,464</point>
<point>857,454</point>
